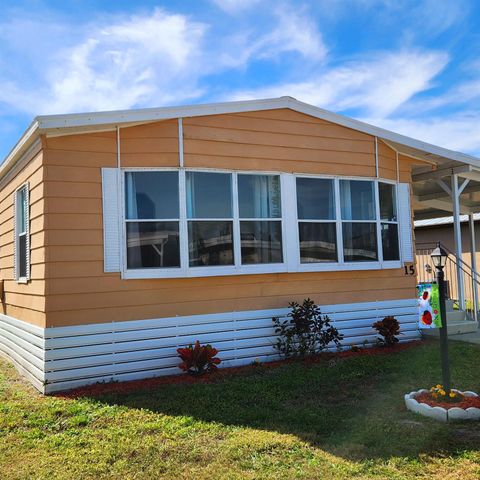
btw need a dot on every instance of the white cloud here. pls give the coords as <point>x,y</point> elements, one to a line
<point>141,59</point>
<point>150,59</point>
<point>378,84</point>
<point>292,32</point>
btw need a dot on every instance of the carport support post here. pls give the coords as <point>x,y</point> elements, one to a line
<point>457,229</point>
<point>473,253</point>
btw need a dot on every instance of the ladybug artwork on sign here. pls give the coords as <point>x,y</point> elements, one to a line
<point>428,306</point>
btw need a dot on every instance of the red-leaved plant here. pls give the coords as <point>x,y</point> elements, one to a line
<point>198,359</point>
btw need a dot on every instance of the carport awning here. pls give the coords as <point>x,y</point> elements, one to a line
<point>436,188</point>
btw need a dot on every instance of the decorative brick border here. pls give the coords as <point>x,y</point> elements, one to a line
<point>439,413</point>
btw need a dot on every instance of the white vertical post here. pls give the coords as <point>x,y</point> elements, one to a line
<point>457,229</point>
<point>473,253</point>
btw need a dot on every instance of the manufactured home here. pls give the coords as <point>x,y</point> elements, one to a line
<point>127,234</point>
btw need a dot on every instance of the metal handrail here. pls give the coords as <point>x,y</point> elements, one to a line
<point>468,272</point>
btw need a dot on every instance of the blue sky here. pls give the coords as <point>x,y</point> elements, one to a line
<point>409,66</point>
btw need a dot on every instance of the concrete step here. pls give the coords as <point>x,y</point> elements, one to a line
<point>456,316</point>
<point>449,305</point>
<point>454,328</point>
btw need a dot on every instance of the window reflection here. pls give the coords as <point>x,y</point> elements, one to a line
<point>210,243</point>
<point>151,195</point>
<point>390,241</point>
<point>359,242</point>
<point>318,242</point>
<point>152,244</point>
<point>261,242</point>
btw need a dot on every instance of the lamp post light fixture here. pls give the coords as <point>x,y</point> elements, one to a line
<point>439,259</point>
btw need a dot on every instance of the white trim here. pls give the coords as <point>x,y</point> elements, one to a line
<point>180,142</point>
<point>376,157</point>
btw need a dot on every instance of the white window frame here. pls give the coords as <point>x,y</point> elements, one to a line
<point>339,221</point>
<point>204,271</point>
<point>290,234</point>
<point>21,279</point>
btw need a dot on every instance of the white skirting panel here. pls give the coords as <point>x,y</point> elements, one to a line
<point>120,351</point>
<point>24,345</point>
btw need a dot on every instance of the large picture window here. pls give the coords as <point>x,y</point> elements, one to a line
<point>229,220</point>
<point>195,223</point>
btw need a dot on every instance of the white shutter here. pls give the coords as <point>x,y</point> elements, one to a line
<point>27,229</point>
<point>405,222</point>
<point>111,220</point>
<point>15,238</point>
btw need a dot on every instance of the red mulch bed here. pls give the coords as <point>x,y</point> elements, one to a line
<point>465,403</point>
<point>99,389</point>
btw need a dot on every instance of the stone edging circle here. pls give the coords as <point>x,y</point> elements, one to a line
<point>439,413</point>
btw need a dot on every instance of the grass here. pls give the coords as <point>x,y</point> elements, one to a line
<point>334,419</point>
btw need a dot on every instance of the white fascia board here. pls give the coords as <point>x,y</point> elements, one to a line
<point>153,114</point>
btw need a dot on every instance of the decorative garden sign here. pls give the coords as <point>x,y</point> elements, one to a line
<point>428,306</point>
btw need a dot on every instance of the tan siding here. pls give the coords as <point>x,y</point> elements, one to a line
<point>387,162</point>
<point>78,291</point>
<point>150,145</point>
<point>24,301</point>
<point>281,141</point>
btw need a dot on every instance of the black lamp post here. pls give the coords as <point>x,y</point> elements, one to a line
<point>439,259</point>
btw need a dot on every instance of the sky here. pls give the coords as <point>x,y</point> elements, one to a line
<point>409,66</point>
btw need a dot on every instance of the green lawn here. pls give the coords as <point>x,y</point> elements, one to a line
<point>332,420</point>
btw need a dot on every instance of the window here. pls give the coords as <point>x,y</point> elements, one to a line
<point>152,220</point>
<point>22,240</point>
<point>348,226</point>
<point>316,214</point>
<point>210,219</point>
<point>198,223</point>
<point>357,201</point>
<point>260,215</point>
<point>389,221</point>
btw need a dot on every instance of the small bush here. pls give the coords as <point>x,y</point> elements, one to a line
<point>388,328</point>
<point>305,332</point>
<point>198,359</point>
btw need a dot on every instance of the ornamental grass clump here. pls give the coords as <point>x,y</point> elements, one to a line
<point>198,359</point>
<point>305,331</point>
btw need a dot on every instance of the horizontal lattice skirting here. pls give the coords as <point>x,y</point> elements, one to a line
<point>62,358</point>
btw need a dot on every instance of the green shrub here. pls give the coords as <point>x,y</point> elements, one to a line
<point>305,332</point>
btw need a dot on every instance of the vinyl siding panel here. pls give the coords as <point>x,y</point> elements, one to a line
<point>24,301</point>
<point>78,290</point>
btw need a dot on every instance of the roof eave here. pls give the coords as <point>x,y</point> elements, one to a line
<point>56,124</point>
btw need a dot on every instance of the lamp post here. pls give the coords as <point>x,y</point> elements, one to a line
<point>439,259</point>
